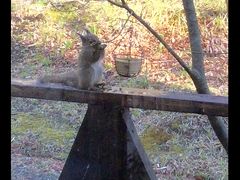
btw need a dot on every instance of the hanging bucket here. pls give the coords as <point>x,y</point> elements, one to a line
<point>128,67</point>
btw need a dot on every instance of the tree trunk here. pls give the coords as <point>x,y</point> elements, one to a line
<point>198,71</point>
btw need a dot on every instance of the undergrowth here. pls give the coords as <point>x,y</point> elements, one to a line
<point>39,137</point>
<point>53,29</point>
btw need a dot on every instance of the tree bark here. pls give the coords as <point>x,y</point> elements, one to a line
<point>199,77</point>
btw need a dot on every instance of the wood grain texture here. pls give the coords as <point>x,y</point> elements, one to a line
<point>105,148</point>
<point>99,150</point>
<point>126,97</point>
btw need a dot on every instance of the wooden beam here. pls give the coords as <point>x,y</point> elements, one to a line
<point>107,147</point>
<point>100,148</point>
<point>138,160</point>
<point>126,97</point>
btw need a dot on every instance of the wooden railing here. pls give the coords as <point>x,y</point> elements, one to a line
<point>107,145</point>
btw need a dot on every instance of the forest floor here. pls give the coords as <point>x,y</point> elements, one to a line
<point>179,145</point>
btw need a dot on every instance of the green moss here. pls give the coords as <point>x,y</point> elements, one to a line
<point>49,139</point>
<point>40,2</point>
<point>45,61</point>
<point>188,87</point>
<point>175,125</point>
<point>25,122</point>
<point>137,82</point>
<point>61,17</point>
<point>176,149</point>
<point>136,112</point>
<point>61,155</point>
<point>28,70</point>
<point>153,137</point>
<point>57,136</point>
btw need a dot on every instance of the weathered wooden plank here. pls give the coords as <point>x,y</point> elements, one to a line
<point>126,97</point>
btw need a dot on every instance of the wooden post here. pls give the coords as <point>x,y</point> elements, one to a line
<point>105,148</point>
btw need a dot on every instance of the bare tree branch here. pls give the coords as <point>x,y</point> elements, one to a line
<point>123,2</point>
<point>146,25</point>
<point>116,4</point>
<point>119,32</point>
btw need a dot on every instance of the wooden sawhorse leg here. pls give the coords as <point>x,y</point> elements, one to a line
<point>107,147</point>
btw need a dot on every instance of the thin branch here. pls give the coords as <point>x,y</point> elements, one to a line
<point>123,2</point>
<point>146,25</point>
<point>116,4</point>
<point>120,30</point>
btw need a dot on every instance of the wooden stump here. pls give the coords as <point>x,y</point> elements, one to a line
<point>107,147</point>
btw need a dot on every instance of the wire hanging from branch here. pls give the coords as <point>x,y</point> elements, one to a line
<point>109,41</point>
